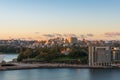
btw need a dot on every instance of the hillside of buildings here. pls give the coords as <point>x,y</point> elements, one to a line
<point>57,50</point>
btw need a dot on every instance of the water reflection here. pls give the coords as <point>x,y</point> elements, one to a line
<point>61,74</point>
<point>104,74</point>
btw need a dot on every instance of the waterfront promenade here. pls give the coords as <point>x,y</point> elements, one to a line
<point>18,66</point>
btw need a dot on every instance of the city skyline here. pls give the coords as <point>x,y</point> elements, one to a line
<point>39,19</point>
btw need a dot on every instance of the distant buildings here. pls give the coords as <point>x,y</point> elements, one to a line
<point>101,53</point>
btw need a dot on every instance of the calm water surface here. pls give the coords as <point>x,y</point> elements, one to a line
<point>61,74</point>
<point>10,57</point>
<point>58,73</point>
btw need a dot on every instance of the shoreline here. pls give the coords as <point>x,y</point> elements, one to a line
<point>22,66</point>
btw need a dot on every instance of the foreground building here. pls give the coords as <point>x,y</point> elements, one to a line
<point>100,56</point>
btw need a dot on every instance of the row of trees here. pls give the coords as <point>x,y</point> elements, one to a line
<point>9,49</point>
<point>54,54</point>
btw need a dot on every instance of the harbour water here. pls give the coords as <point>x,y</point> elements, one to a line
<point>58,73</point>
<point>61,74</point>
<point>10,57</point>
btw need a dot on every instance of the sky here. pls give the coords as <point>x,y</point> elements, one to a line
<point>38,19</point>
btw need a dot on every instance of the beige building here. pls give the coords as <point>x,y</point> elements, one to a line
<point>100,56</point>
<point>72,40</point>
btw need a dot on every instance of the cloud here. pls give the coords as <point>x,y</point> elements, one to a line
<point>10,37</point>
<point>112,34</point>
<point>69,35</point>
<point>83,36</point>
<point>22,38</point>
<point>73,35</point>
<point>65,35</point>
<point>58,35</point>
<point>36,32</point>
<point>49,35</point>
<point>29,38</point>
<point>90,35</point>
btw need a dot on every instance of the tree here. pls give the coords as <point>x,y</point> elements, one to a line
<point>24,54</point>
<point>28,52</point>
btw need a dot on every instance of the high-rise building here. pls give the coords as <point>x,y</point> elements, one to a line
<point>100,56</point>
<point>72,40</point>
